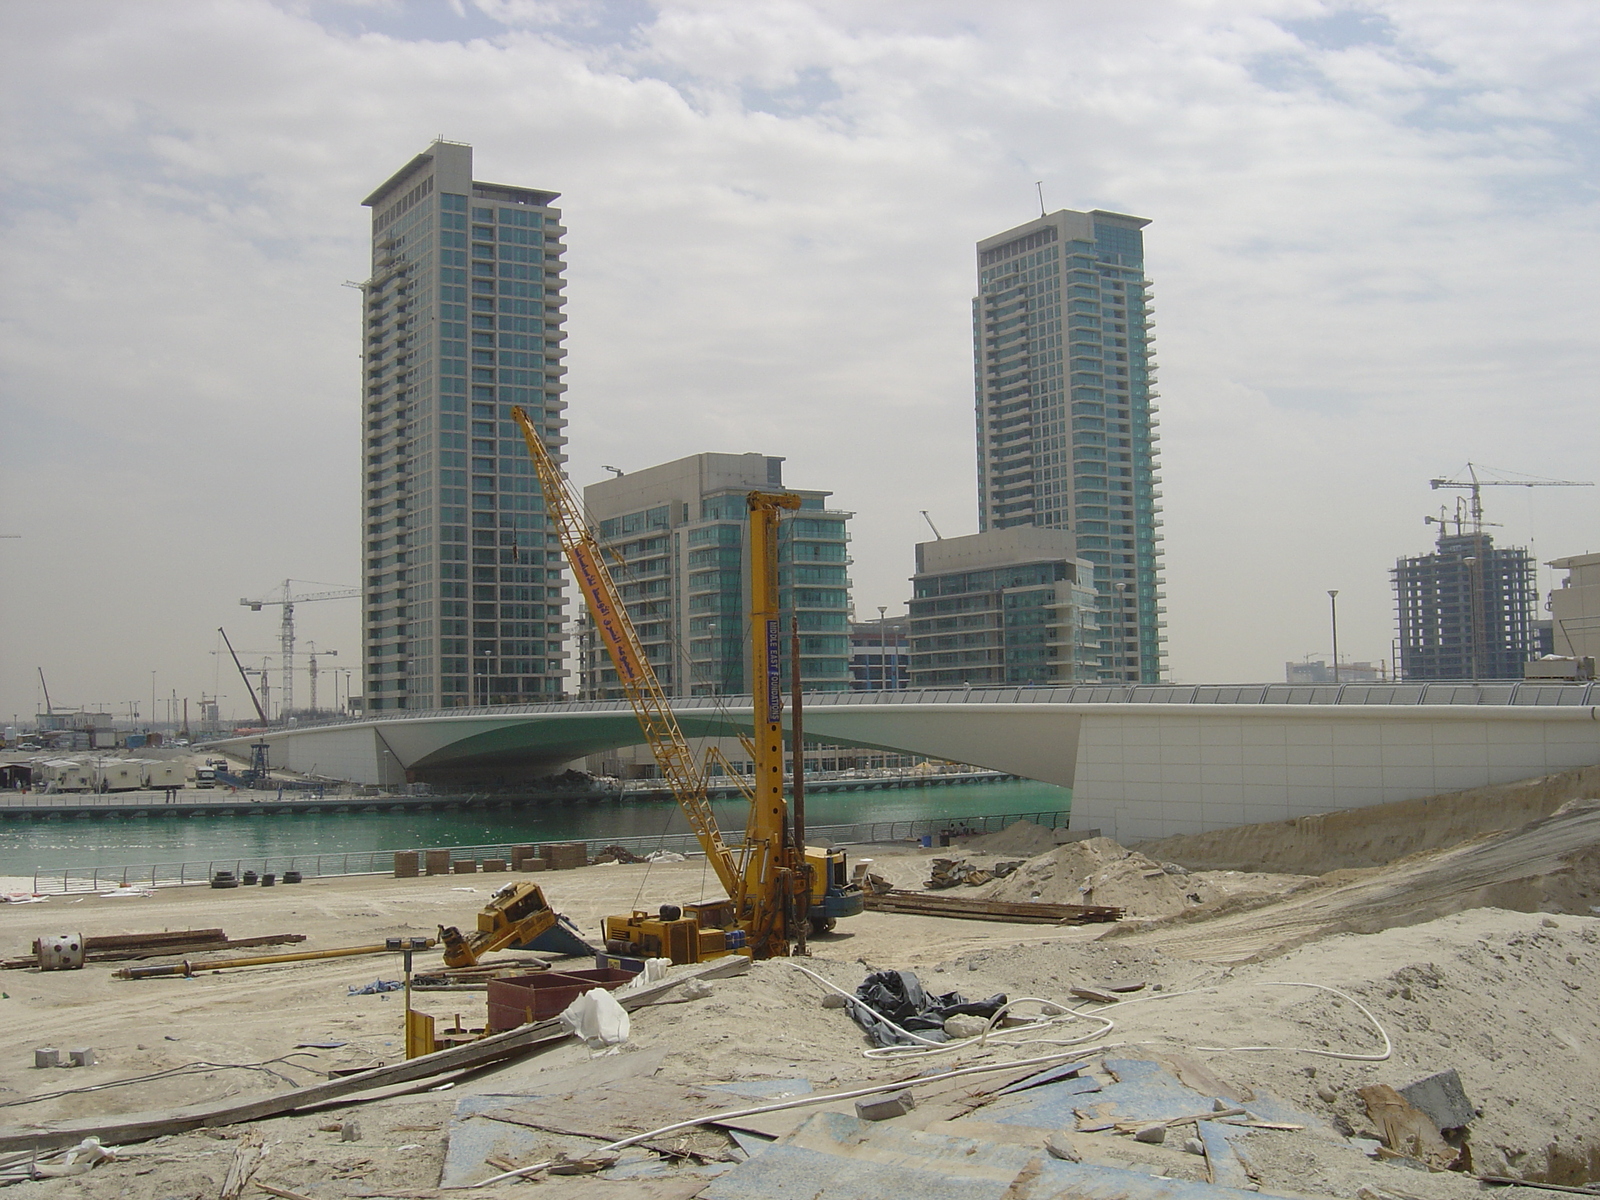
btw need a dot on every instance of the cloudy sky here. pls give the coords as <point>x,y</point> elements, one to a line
<point>1373,242</point>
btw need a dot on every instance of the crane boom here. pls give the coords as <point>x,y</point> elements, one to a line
<point>639,683</point>
<point>1473,484</point>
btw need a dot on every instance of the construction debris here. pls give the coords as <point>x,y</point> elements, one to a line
<point>955,872</point>
<point>124,946</point>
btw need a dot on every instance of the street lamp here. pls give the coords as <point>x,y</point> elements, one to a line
<point>883,650</point>
<point>1333,612</point>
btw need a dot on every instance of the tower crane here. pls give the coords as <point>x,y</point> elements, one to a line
<point>286,597</point>
<point>311,658</point>
<point>1474,485</point>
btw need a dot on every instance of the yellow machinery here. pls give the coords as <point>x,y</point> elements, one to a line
<point>517,916</point>
<point>775,891</point>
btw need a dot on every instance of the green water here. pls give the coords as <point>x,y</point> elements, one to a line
<point>113,841</point>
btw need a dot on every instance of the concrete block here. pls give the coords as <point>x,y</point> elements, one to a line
<point>494,864</point>
<point>406,865</point>
<point>881,1108</point>
<point>83,1057</point>
<point>466,866</point>
<point>438,862</point>
<point>46,1056</point>
<point>1442,1098</point>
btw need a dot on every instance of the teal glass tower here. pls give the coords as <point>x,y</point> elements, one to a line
<point>463,312</point>
<point>1066,414</point>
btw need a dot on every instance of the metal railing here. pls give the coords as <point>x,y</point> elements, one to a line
<point>57,880</point>
<point>1495,692</point>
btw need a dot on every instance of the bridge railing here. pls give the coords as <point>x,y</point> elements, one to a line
<point>110,879</point>
<point>1496,692</point>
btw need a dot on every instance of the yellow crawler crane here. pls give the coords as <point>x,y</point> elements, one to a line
<point>775,890</point>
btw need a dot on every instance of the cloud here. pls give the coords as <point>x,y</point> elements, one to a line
<point>1373,243</point>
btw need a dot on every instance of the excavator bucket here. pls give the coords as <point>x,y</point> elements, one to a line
<point>561,938</point>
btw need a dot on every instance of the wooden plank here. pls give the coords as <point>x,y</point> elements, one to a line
<point>922,904</point>
<point>124,941</point>
<point>139,1127</point>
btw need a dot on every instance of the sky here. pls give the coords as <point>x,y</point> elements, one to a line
<point>1373,243</point>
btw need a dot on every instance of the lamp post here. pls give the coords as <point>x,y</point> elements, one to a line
<point>883,650</point>
<point>1333,613</point>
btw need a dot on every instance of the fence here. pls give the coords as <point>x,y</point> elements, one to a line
<point>381,862</point>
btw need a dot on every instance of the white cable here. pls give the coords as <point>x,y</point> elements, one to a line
<point>805,1101</point>
<point>1388,1046</point>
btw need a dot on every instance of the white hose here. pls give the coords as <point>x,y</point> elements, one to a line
<point>1388,1046</point>
<point>925,1046</point>
<point>805,1101</point>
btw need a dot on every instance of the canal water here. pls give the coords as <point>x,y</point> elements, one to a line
<point>107,842</point>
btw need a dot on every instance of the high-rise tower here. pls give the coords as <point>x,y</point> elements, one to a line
<point>463,318</point>
<point>1066,413</point>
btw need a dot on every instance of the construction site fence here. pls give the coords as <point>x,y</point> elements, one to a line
<point>59,880</point>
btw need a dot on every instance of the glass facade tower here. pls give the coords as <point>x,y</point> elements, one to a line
<point>462,582</point>
<point>676,539</point>
<point>1065,408</point>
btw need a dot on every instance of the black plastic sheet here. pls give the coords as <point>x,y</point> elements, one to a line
<point>900,997</point>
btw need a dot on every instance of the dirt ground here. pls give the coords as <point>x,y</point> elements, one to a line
<point>1432,945</point>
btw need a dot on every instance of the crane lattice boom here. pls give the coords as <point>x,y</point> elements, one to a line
<point>639,683</point>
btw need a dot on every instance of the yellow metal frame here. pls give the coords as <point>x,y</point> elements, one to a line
<point>765,881</point>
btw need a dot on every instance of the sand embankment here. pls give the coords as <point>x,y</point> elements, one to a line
<point>1370,837</point>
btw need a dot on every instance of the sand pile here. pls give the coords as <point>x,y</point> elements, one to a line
<point>1019,837</point>
<point>1097,871</point>
<point>1369,837</point>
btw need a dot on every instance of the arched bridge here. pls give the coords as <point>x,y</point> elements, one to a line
<point>1142,762</point>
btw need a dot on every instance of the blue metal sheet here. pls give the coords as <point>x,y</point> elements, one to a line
<point>1049,1106</point>
<point>834,1156</point>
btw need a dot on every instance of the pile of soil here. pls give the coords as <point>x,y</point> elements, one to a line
<point>1098,871</point>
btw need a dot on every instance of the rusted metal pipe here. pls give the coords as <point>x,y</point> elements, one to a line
<point>187,968</point>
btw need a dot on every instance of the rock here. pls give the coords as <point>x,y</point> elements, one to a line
<point>1195,1146</point>
<point>1059,1146</point>
<point>881,1108</point>
<point>961,1026</point>
<point>1442,1098</point>
<point>350,1131</point>
<point>834,1000</point>
<point>1153,1134</point>
<point>699,989</point>
<point>1326,1094</point>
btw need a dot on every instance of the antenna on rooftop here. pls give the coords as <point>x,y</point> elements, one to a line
<point>1039,187</point>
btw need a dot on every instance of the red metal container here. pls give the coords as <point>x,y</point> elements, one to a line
<point>523,999</point>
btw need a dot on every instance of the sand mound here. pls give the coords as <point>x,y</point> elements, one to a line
<point>1019,837</point>
<point>1550,865</point>
<point>1096,871</point>
<point>1370,837</point>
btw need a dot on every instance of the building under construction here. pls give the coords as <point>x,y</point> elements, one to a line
<point>1466,610</point>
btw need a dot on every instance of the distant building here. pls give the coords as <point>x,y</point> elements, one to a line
<point>1066,408</point>
<point>462,319</point>
<point>1466,610</point>
<point>1009,606</point>
<point>880,655</point>
<point>676,536</point>
<point>1321,672</point>
<point>1575,607</point>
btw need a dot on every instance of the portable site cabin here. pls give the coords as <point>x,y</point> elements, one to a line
<point>119,775</point>
<point>65,775</point>
<point>165,774</point>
